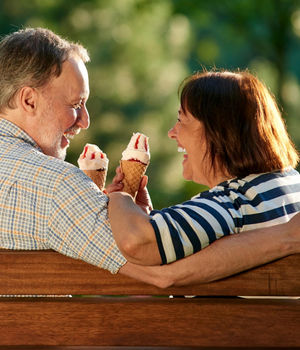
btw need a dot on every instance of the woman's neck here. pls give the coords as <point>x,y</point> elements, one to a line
<point>216,175</point>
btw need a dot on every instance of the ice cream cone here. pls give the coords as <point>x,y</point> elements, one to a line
<point>133,172</point>
<point>98,176</point>
<point>94,163</point>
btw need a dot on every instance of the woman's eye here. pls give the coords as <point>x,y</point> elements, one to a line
<point>179,120</point>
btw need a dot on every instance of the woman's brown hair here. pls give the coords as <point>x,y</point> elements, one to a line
<point>244,130</point>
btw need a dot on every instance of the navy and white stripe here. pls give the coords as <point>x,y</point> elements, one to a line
<point>237,205</point>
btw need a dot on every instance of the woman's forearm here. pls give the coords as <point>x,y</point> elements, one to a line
<point>225,257</point>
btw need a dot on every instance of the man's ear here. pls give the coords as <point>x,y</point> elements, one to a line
<point>28,99</point>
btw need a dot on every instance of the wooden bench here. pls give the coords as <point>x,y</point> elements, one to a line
<point>100,316</point>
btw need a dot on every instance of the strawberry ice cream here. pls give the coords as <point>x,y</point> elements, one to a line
<point>94,163</point>
<point>134,162</point>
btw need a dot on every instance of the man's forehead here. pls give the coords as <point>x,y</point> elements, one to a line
<point>73,78</point>
<point>74,69</point>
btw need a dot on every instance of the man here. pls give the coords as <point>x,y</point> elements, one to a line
<point>46,203</point>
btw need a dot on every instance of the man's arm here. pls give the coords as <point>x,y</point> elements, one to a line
<point>225,257</point>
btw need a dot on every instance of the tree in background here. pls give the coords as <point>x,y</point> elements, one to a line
<point>142,49</point>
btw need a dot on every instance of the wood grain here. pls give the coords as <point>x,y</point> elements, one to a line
<point>48,272</point>
<point>210,322</point>
<point>220,321</point>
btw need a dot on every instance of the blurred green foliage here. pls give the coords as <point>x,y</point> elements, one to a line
<point>142,49</point>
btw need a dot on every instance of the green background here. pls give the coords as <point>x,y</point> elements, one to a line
<point>142,49</point>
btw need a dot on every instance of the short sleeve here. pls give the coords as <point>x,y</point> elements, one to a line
<point>187,228</point>
<point>78,224</point>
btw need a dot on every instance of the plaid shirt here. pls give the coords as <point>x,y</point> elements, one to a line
<point>46,203</point>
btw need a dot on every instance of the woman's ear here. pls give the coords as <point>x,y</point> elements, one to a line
<point>28,99</point>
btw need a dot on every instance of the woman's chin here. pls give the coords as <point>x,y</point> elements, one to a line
<point>187,175</point>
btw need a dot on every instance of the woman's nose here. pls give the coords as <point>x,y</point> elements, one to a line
<point>171,133</point>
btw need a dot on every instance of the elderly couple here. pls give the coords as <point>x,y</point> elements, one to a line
<point>233,140</point>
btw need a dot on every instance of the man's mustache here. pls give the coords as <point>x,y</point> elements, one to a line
<point>71,132</point>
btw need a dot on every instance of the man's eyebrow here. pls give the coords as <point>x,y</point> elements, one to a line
<point>81,98</point>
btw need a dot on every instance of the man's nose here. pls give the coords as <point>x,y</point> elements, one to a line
<point>83,120</point>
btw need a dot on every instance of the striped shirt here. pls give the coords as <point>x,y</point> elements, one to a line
<point>46,203</point>
<point>237,205</point>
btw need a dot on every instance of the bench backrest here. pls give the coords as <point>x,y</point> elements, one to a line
<point>216,318</point>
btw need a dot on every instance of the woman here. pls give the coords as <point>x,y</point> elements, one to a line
<point>234,140</point>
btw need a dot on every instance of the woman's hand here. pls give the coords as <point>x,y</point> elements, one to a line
<point>142,199</point>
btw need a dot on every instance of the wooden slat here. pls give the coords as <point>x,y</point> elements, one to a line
<point>54,347</point>
<point>48,272</point>
<point>211,322</point>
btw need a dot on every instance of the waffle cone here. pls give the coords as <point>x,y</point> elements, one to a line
<point>98,176</point>
<point>133,172</point>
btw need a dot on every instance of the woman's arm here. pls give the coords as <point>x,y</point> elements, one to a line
<point>132,230</point>
<point>130,223</point>
<point>225,257</point>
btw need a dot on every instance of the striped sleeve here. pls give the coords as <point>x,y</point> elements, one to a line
<point>185,229</point>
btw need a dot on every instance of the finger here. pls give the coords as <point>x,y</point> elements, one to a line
<point>119,170</point>
<point>114,187</point>
<point>118,177</point>
<point>144,182</point>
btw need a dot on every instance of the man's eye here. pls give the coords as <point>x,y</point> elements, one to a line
<point>77,106</point>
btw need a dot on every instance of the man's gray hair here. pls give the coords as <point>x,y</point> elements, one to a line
<point>31,57</point>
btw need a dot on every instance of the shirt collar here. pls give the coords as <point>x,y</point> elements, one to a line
<point>9,129</point>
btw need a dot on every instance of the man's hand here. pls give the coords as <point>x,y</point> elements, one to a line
<point>116,185</point>
<point>226,256</point>
<point>293,228</point>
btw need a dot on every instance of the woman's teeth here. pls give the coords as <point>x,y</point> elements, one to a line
<point>181,150</point>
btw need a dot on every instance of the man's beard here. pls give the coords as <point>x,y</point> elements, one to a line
<point>61,154</point>
<point>56,150</point>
